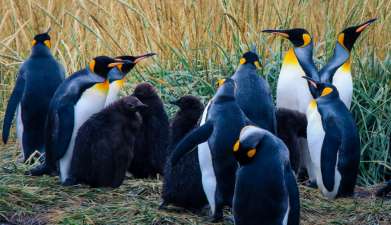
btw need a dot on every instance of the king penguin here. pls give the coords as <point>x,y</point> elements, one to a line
<point>260,198</point>
<point>117,75</point>
<point>333,142</point>
<point>37,80</point>
<point>342,79</point>
<point>223,122</point>
<point>75,100</point>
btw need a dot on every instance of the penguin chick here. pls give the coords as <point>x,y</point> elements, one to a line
<point>37,80</point>
<point>104,144</point>
<point>152,140</point>
<point>265,189</point>
<point>182,183</point>
<point>291,126</point>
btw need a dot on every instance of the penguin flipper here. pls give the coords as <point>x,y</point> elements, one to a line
<point>192,139</point>
<point>61,129</point>
<point>328,158</point>
<point>340,56</point>
<point>13,102</point>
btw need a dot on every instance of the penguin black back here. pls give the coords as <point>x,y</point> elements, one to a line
<point>182,183</point>
<point>152,140</point>
<point>104,144</point>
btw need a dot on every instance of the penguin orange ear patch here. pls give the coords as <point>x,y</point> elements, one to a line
<point>48,43</point>
<point>236,146</point>
<point>251,153</point>
<point>92,65</point>
<point>341,38</point>
<point>33,42</point>
<point>242,61</point>
<point>256,63</point>
<point>306,39</point>
<point>220,82</point>
<point>326,91</point>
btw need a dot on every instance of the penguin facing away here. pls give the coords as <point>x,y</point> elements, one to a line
<point>152,140</point>
<point>253,93</point>
<point>104,144</point>
<point>333,142</point>
<point>342,78</point>
<point>37,80</point>
<point>222,126</point>
<point>81,95</point>
<point>116,76</point>
<point>260,198</point>
<point>182,183</point>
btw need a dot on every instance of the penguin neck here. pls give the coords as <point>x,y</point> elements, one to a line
<point>40,50</point>
<point>304,56</point>
<point>290,59</point>
<point>224,98</point>
<point>346,67</point>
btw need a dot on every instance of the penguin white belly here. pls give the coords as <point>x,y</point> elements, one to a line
<point>90,102</point>
<point>206,165</point>
<point>292,89</point>
<point>315,137</point>
<point>19,129</point>
<point>285,221</point>
<point>114,89</point>
<point>342,80</point>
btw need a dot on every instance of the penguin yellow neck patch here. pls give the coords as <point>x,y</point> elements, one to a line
<point>236,146</point>
<point>290,58</point>
<point>251,153</point>
<point>92,65</point>
<point>102,87</point>
<point>306,39</point>
<point>120,83</point>
<point>326,91</point>
<point>242,61</point>
<point>346,66</point>
<point>313,104</point>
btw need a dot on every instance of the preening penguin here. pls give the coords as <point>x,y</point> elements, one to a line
<point>75,100</point>
<point>151,143</point>
<point>265,190</point>
<point>37,80</point>
<point>253,93</point>
<point>116,76</point>
<point>223,122</point>
<point>182,183</point>
<point>104,144</point>
<point>291,127</point>
<point>342,78</point>
<point>333,142</point>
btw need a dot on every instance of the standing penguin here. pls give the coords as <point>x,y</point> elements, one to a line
<point>38,79</point>
<point>222,126</point>
<point>333,142</point>
<point>265,190</point>
<point>151,143</point>
<point>116,77</point>
<point>104,145</point>
<point>75,100</point>
<point>253,93</point>
<point>182,183</point>
<point>342,79</point>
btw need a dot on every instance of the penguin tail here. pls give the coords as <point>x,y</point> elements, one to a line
<point>195,137</point>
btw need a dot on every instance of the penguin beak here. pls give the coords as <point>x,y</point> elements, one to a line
<point>116,63</point>
<point>47,32</point>
<point>282,33</point>
<point>311,81</point>
<point>144,56</point>
<point>362,27</point>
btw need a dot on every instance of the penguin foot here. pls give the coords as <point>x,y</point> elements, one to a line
<point>216,218</point>
<point>69,182</point>
<point>311,184</point>
<point>39,170</point>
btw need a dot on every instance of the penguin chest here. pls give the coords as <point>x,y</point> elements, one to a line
<point>292,90</point>
<point>342,80</point>
<point>315,137</point>
<point>114,90</point>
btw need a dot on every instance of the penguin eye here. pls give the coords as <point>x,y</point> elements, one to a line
<point>326,91</point>
<point>251,153</point>
<point>242,61</point>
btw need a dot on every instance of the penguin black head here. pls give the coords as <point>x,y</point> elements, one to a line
<point>43,38</point>
<point>188,102</point>
<point>245,148</point>
<point>348,37</point>
<point>133,60</point>
<point>133,104</point>
<point>322,90</point>
<point>226,89</point>
<point>298,36</point>
<point>101,65</point>
<point>145,90</point>
<point>250,58</point>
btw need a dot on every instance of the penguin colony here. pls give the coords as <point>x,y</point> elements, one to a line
<point>240,151</point>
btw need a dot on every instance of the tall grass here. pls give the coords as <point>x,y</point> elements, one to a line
<point>200,41</point>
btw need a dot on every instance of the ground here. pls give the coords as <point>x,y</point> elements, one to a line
<point>32,200</point>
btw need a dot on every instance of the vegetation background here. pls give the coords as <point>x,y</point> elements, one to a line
<point>197,43</point>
